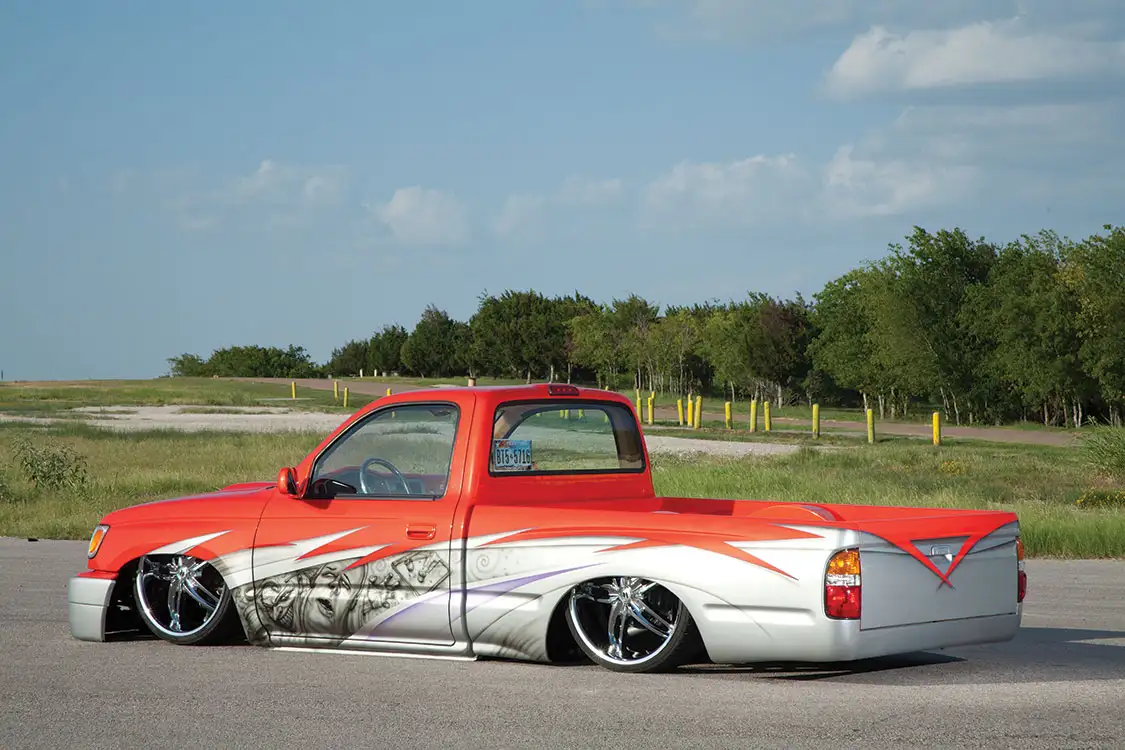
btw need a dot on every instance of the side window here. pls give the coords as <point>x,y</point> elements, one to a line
<point>404,451</point>
<point>565,438</point>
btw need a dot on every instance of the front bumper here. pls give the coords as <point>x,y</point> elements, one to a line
<point>87,601</point>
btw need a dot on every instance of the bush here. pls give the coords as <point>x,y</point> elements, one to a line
<point>1104,449</point>
<point>51,466</point>
<point>1101,499</point>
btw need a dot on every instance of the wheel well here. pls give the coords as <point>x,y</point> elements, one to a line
<point>123,618</point>
<point>561,646</point>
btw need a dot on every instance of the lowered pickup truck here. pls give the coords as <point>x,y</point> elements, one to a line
<point>521,522</point>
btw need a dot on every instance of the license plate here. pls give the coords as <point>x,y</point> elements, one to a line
<point>511,455</point>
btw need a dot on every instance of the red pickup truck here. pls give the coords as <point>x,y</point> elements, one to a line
<point>521,522</point>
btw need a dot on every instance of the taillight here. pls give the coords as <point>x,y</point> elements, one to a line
<point>842,586</point>
<point>1021,591</point>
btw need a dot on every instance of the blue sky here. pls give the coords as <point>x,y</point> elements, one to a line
<point>179,177</point>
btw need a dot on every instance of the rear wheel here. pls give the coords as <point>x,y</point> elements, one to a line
<point>184,600</point>
<point>630,624</point>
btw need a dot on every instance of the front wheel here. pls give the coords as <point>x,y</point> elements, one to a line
<point>184,600</point>
<point>629,624</point>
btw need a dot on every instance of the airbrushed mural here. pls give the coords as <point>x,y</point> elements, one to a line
<point>334,600</point>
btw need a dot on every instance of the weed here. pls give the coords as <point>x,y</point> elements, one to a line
<point>7,492</point>
<point>1094,498</point>
<point>952,467</point>
<point>51,466</point>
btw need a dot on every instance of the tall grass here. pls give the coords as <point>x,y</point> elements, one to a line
<point>128,468</point>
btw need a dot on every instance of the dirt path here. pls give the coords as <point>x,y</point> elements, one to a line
<point>990,434</point>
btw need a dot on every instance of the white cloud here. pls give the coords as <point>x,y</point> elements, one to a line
<point>754,190</point>
<point>1041,136</point>
<point>973,159</point>
<point>522,218</point>
<point>781,189</point>
<point>273,183</point>
<point>424,216</point>
<point>525,217</point>
<point>274,196</point>
<point>855,186</point>
<point>986,52</point>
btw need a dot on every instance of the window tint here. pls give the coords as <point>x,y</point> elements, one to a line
<point>564,437</point>
<point>406,450</point>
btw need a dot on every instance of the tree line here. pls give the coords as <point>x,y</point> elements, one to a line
<point>1033,329</point>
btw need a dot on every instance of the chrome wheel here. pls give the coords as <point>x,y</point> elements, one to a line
<point>181,598</point>
<point>628,623</point>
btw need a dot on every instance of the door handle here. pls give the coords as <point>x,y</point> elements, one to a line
<point>420,531</point>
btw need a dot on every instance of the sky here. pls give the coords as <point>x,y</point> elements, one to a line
<point>182,177</point>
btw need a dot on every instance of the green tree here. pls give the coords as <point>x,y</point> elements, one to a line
<point>1025,318</point>
<point>384,350</point>
<point>1095,270</point>
<point>188,366</point>
<point>431,349</point>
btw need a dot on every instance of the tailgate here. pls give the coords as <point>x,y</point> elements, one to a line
<point>898,589</point>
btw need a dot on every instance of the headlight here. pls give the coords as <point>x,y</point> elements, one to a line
<point>96,540</point>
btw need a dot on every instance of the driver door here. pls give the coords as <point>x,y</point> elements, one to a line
<point>365,557</point>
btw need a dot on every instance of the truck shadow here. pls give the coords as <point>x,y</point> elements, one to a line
<point>1035,655</point>
<point>818,671</point>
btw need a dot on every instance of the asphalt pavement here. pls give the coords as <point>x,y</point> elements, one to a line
<point>1059,684</point>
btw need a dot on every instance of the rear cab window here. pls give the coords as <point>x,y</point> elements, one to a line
<point>553,437</point>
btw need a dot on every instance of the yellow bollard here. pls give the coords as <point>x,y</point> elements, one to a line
<point>650,409</point>
<point>680,411</point>
<point>581,415</point>
<point>937,428</point>
<point>870,426</point>
<point>388,391</point>
<point>345,398</point>
<point>566,414</point>
<point>690,411</point>
<point>640,413</point>
<point>336,389</point>
<point>816,420</point>
<point>698,411</point>
<point>766,409</point>
<point>753,415</point>
<point>293,390</point>
<point>727,410</point>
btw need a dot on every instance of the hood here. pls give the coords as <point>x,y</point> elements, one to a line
<point>206,525</point>
<point>233,502</point>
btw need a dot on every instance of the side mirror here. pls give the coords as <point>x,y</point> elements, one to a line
<point>287,481</point>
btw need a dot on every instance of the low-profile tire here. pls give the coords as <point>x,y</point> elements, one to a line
<point>630,624</point>
<point>184,600</point>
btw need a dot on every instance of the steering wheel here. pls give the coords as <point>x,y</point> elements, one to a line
<point>386,464</point>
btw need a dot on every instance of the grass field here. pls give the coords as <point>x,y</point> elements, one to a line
<point>1041,484</point>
